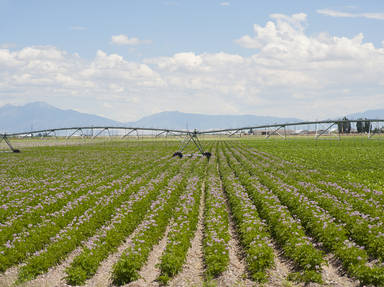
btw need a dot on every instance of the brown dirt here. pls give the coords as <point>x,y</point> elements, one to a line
<point>9,277</point>
<point>278,274</point>
<point>332,275</point>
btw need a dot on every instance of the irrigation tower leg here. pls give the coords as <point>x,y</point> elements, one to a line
<point>235,132</point>
<point>4,137</point>
<point>68,137</point>
<point>127,134</point>
<point>159,134</point>
<point>191,137</point>
<point>99,133</point>
<point>276,131</point>
<point>324,131</point>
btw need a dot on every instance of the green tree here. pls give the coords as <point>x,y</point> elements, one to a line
<point>344,127</point>
<point>360,126</point>
<point>367,126</point>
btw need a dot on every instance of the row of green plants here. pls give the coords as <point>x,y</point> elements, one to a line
<point>37,238</point>
<point>38,194</point>
<point>124,222</point>
<point>333,237</point>
<point>253,232</point>
<point>31,181</point>
<point>149,233</point>
<point>362,228</point>
<point>183,227</point>
<point>216,224</point>
<point>82,227</point>
<point>352,163</point>
<point>56,212</point>
<point>287,232</point>
<point>358,196</point>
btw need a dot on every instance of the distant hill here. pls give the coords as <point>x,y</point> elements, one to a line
<point>370,114</point>
<point>39,115</point>
<point>178,120</point>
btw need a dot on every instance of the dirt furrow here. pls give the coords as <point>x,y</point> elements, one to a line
<point>332,275</point>
<point>278,274</point>
<point>9,277</point>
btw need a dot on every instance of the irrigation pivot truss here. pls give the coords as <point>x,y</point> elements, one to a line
<point>277,127</point>
<point>189,136</point>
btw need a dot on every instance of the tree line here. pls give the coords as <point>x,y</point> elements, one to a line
<point>362,126</point>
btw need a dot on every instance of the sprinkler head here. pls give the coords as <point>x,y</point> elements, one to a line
<point>207,154</point>
<point>179,154</point>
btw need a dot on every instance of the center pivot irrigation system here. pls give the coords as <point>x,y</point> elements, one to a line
<point>189,136</point>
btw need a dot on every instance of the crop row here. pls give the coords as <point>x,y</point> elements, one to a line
<point>83,225</point>
<point>287,231</point>
<point>41,189</point>
<point>150,232</point>
<point>111,235</point>
<point>216,224</point>
<point>37,218</point>
<point>183,227</point>
<point>254,235</point>
<point>319,224</point>
<point>364,229</point>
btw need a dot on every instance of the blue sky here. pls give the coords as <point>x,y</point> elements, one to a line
<point>172,26</point>
<point>160,35</point>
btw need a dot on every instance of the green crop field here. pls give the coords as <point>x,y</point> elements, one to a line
<point>259,212</point>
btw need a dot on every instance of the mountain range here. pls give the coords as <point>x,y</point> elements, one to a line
<point>40,115</point>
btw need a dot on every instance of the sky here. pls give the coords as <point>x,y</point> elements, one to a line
<point>128,59</point>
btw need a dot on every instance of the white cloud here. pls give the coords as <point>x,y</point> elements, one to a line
<point>334,13</point>
<point>224,4</point>
<point>8,45</point>
<point>125,40</point>
<point>289,74</point>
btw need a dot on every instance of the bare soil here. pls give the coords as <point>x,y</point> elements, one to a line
<point>9,277</point>
<point>333,275</point>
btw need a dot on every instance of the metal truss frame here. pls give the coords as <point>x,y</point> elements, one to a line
<point>370,133</point>
<point>327,129</point>
<point>276,131</point>
<point>4,137</point>
<point>189,136</point>
<point>100,132</point>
